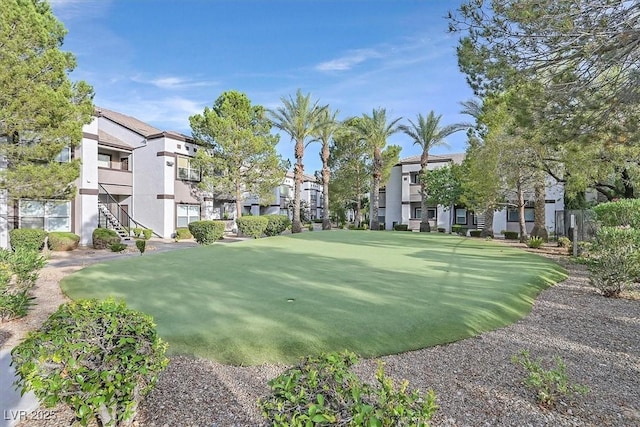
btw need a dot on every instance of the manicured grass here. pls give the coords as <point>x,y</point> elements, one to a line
<point>279,298</point>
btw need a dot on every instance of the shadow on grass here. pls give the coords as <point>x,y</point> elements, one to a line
<point>274,300</point>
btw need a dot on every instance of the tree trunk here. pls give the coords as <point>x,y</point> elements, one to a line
<point>358,217</point>
<point>326,174</point>
<point>487,231</point>
<point>539,219</point>
<point>425,227</point>
<point>521,219</point>
<point>298,169</point>
<point>238,202</point>
<point>375,189</point>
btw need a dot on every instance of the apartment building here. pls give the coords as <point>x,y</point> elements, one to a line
<point>400,201</point>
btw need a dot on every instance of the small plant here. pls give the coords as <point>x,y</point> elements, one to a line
<point>510,235</point>
<point>207,232</point>
<point>401,227</point>
<point>442,230</point>
<point>141,245</point>
<point>614,259</point>
<point>325,391</point>
<point>564,242</point>
<point>550,385</point>
<point>137,231</point>
<point>98,357</point>
<point>459,230</point>
<point>27,238</point>
<point>18,274</point>
<point>475,233</point>
<point>147,233</point>
<point>310,226</point>
<point>62,241</point>
<point>117,247</point>
<point>535,242</point>
<point>183,233</point>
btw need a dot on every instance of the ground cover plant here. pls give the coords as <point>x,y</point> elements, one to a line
<point>284,297</point>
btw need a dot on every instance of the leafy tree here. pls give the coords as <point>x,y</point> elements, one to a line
<point>375,129</point>
<point>300,118</point>
<point>240,155</point>
<point>349,161</point>
<point>323,135</point>
<point>427,134</point>
<point>444,185</point>
<point>41,111</point>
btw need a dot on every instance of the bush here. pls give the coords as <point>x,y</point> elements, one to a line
<point>401,227</point>
<point>117,247</point>
<point>62,241</point>
<point>277,224</point>
<point>137,231</point>
<point>511,235</point>
<point>310,226</point>
<point>324,391</point>
<point>207,232</point>
<point>317,220</point>
<point>147,233</point>
<point>183,233</point>
<point>141,245</point>
<point>551,384</point>
<point>27,238</point>
<point>100,358</point>
<point>15,305</point>
<point>18,274</point>
<point>535,242</point>
<point>442,230</point>
<point>475,233</point>
<point>252,226</point>
<point>564,242</point>
<point>625,212</point>
<point>615,259</point>
<point>103,238</point>
<point>458,229</point>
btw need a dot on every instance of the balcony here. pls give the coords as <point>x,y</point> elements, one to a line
<point>116,181</point>
<point>414,193</point>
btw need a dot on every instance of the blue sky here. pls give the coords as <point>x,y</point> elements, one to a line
<point>164,60</point>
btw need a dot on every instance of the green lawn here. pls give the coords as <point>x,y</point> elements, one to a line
<point>279,298</point>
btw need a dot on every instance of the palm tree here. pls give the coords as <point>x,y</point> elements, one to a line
<point>428,134</point>
<point>299,118</point>
<point>375,130</point>
<point>323,134</point>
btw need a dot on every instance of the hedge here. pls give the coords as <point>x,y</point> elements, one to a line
<point>62,241</point>
<point>621,212</point>
<point>207,232</point>
<point>276,224</point>
<point>103,238</point>
<point>27,238</point>
<point>252,226</point>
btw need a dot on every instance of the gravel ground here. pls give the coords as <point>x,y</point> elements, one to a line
<point>474,379</point>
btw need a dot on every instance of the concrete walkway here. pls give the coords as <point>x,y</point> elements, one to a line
<point>14,407</point>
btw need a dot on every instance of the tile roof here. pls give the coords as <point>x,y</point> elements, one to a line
<point>129,122</point>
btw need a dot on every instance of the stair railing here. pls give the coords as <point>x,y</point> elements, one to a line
<point>131,220</point>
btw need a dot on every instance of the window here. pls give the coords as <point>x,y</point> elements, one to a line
<point>461,216</point>
<point>186,214</point>
<point>186,171</point>
<point>124,165</point>
<point>64,156</point>
<point>104,160</point>
<point>48,215</point>
<point>431,213</point>
<point>415,177</point>
<point>514,216</point>
<point>417,212</point>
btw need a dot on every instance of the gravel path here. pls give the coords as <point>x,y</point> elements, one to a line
<point>474,379</point>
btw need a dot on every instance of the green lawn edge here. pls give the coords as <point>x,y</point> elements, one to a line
<point>374,293</point>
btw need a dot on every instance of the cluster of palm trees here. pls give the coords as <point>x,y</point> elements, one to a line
<point>306,121</point>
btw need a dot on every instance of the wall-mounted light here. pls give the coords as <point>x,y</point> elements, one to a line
<point>169,163</point>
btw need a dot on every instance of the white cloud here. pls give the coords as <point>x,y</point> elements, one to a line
<point>174,82</point>
<point>349,60</point>
<point>79,9</point>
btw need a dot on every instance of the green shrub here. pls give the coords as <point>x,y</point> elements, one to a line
<point>459,229</point>
<point>442,230</point>
<point>614,259</point>
<point>535,242</point>
<point>475,233</point>
<point>325,391</point>
<point>183,233</point>
<point>103,238</point>
<point>207,232</point>
<point>25,264</point>
<point>62,241</point>
<point>564,242</point>
<point>15,305</point>
<point>551,384</point>
<point>137,231</point>
<point>317,220</point>
<point>27,238</point>
<point>401,227</point>
<point>147,233</point>
<point>625,212</point>
<point>511,235</point>
<point>141,245</point>
<point>310,226</point>
<point>252,226</point>
<point>98,357</point>
<point>276,224</point>
<point>117,247</point>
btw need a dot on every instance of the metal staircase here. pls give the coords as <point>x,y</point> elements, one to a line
<point>109,220</point>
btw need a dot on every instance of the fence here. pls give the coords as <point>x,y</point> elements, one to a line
<point>585,223</point>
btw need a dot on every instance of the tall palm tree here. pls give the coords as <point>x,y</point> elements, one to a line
<point>428,134</point>
<point>375,130</point>
<point>298,117</point>
<point>323,134</point>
